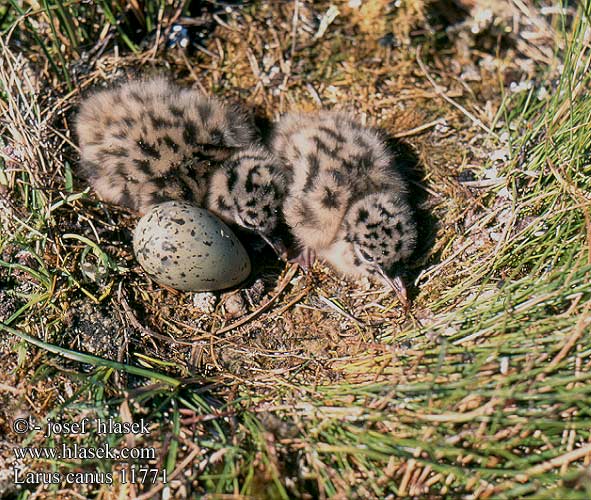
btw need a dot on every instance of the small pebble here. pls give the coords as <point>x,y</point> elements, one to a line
<point>234,305</point>
<point>204,302</point>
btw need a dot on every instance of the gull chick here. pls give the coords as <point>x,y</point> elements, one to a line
<point>346,203</point>
<point>248,190</point>
<point>150,141</point>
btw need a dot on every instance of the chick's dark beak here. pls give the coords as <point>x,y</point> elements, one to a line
<point>397,285</point>
<point>276,244</point>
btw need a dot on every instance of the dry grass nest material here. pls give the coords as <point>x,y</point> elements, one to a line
<point>316,359</point>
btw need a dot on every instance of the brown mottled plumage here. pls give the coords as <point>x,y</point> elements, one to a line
<point>248,190</point>
<point>346,202</point>
<point>150,141</point>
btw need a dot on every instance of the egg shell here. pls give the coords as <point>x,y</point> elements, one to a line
<point>189,248</point>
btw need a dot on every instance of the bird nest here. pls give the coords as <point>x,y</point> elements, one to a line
<point>300,383</point>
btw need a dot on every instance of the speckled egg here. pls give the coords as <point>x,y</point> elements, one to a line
<point>188,248</point>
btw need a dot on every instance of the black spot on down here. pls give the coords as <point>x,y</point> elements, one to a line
<point>329,199</point>
<point>148,149</point>
<point>190,133</point>
<point>362,215</point>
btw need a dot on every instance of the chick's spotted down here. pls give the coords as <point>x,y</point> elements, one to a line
<point>150,141</point>
<point>346,203</point>
<point>248,190</point>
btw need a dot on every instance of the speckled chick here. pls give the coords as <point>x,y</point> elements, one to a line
<point>248,190</point>
<point>150,141</point>
<point>346,202</point>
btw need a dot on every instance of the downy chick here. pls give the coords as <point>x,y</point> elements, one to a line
<point>150,141</point>
<point>248,190</point>
<point>346,203</point>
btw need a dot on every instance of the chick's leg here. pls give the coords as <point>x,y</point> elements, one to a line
<point>305,259</point>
